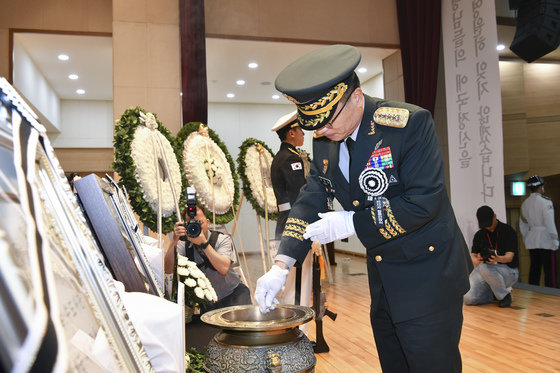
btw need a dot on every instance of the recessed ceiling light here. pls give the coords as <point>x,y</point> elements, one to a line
<point>275,97</point>
<point>362,70</point>
<point>80,91</point>
<point>230,95</point>
<point>73,76</point>
<point>240,82</point>
<point>500,47</point>
<point>253,65</point>
<point>63,57</point>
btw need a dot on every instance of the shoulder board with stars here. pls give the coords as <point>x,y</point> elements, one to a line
<point>391,117</point>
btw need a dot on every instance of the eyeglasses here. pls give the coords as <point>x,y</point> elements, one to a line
<point>330,123</point>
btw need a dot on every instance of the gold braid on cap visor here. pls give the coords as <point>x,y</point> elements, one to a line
<point>321,108</point>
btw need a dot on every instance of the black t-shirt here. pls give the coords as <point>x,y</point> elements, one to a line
<point>503,239</point>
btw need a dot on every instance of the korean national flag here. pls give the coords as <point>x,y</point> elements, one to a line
<point>296,166</point>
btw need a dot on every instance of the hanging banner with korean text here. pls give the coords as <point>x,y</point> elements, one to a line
<point>474,110</point>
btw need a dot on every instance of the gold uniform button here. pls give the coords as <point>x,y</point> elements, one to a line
<point>378,258</point>
<point>431,248</point>
<point>355,203</point>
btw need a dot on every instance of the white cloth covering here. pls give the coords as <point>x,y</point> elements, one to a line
<point>153,254</point>
<point>158,323</point>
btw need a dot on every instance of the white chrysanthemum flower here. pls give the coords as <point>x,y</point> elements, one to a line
<point>208,295</point>
<point>191,264</point>
<point>187,361</point>
<point>182,271</point>
<point>204,160</point>
<point>257,168</point>
<point>196,273</point>
<point>199,292</point>
<point>190,282</point>
<point>182,260</point>
<point>202,283</point>
<point>148,151</point>
<point>214,295</point>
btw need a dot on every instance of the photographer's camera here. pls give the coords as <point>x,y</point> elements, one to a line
<point>193,226</point>
<point>486,253</point>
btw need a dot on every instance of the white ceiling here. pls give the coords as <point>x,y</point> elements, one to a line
<point>226,61</point>
<point>91,58</point>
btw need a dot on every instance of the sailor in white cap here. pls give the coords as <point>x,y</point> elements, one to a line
<point>539,231</point>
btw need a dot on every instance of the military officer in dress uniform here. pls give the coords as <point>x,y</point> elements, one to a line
<point>382,161</point>
<point>539,231</point>
<point>287,170</point>
<point>288,174</point>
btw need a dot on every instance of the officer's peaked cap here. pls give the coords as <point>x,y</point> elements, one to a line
<point>317,81</point>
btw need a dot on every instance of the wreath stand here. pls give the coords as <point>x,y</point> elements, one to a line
<point>261,150</point>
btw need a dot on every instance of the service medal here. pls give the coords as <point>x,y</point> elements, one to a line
<point>373,182</point>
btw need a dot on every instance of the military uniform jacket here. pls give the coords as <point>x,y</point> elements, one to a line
<point>419,256</point>
<point>537,223</point>
<point>287,176</point>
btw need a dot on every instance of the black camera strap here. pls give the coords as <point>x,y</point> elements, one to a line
<point>211,242</point>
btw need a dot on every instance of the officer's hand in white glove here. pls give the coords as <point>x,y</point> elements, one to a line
<point>268,286</point>
<point>332,226</point>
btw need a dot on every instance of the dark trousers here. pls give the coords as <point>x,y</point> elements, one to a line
<point>240,296</point>
<point>426,344</point>
<point>540,258</point>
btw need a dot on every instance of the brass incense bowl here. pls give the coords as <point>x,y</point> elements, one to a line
<point>250,341</point>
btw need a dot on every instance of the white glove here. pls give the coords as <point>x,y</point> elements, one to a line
<point>554,245</point>
<point>268,286</point>
<point>333,225</point>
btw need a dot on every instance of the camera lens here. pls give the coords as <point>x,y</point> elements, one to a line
<point>193,229</point>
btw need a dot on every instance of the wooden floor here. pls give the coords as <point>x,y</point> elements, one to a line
<point>524,338</point>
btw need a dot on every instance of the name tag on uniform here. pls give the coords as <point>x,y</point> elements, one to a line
<point>297,166</point>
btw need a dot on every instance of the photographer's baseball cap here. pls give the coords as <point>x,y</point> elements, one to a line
<point>485,216</point>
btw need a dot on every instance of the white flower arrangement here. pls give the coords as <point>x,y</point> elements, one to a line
<point>198,289</point>
<point>148,145</point>
<point>258,166</point>
<point>207,168</point>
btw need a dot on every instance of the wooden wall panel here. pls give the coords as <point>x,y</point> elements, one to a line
<point>542,89</point>
<point>85,159</point>
<point>512,86</point>
<point>544,147</point>
<point>358,22</point>
<point>146,61</point>
<point>393,83</point>
<point>516,145</point>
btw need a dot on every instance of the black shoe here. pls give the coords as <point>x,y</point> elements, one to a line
<point>505,302</point>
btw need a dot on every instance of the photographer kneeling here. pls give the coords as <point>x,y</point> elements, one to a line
<point>494,255</point>
<point>213,253</point>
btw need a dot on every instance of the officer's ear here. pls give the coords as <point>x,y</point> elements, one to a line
<point>358,97</point>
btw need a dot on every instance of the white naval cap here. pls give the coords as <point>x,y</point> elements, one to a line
<point>288,119</point>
